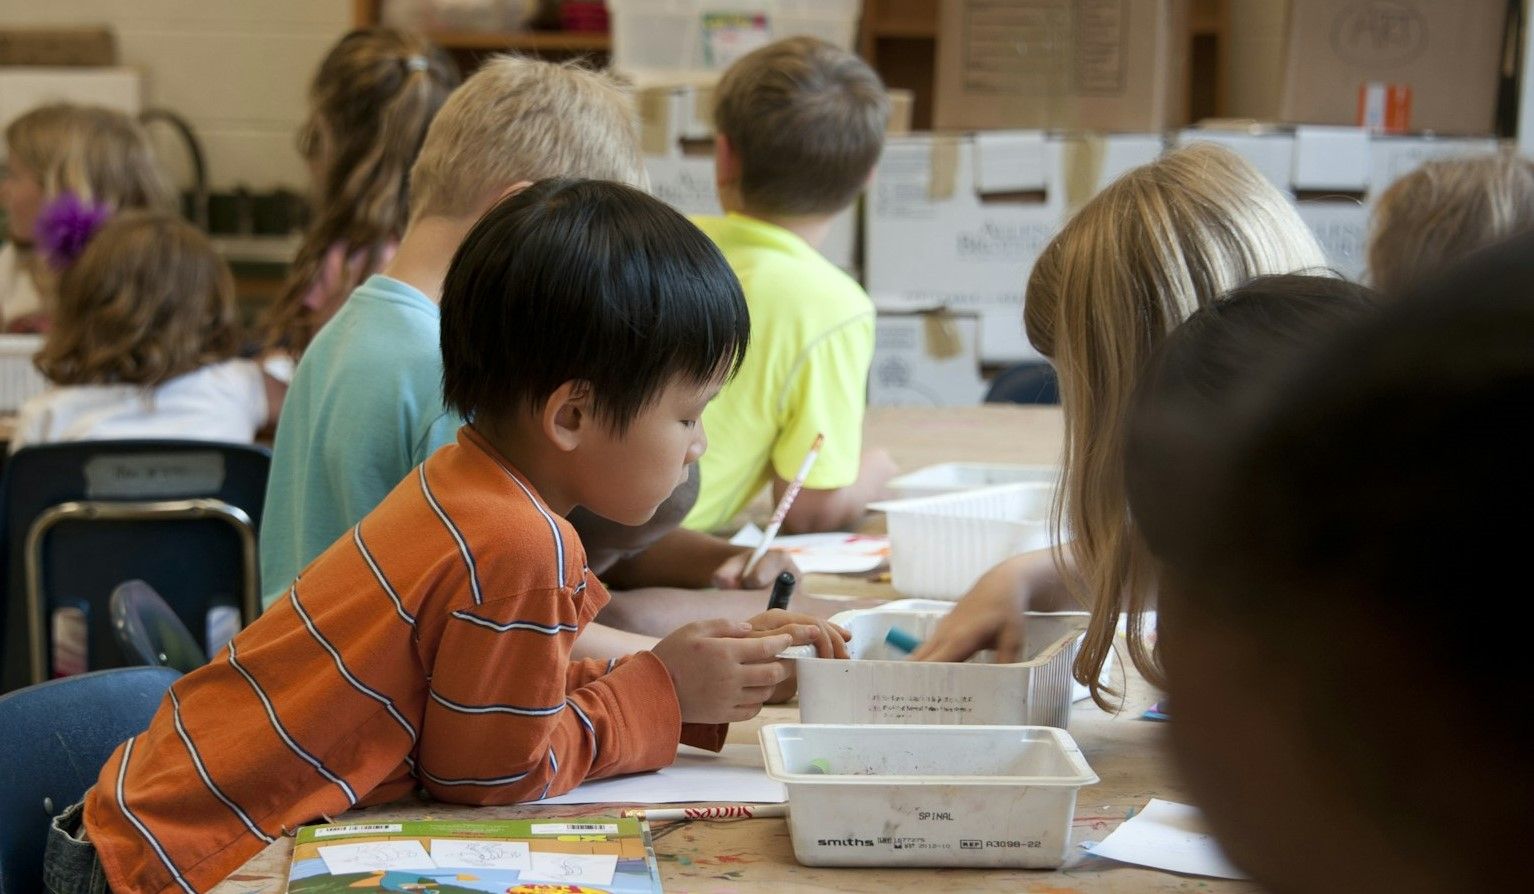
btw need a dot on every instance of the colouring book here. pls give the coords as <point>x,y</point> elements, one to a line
<point>586,855</point>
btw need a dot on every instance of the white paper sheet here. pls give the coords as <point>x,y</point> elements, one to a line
<point>835,553</point>
<point>571,869</point>
<point>369,856</point>
<point>734,775</point>
<point>1171,836</point>
<point>458,853</point>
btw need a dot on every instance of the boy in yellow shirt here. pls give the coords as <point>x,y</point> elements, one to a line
<point>800,124</point>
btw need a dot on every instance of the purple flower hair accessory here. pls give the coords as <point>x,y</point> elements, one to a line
<point>65,226</point>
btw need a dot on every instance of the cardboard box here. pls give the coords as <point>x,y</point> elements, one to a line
<point>1100,65</point>
<point>83,46</point>
<point>957,221</point>
<point>926,359</point>
<point>1448,53</point>
<point>25,88</point>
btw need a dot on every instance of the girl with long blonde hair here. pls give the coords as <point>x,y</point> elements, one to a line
<point>370,103</point>
<point>1157,244</point>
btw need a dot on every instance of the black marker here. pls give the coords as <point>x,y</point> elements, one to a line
<point>782,589</point>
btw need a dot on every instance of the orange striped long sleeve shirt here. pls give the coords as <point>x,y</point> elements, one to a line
<point>429,647</point>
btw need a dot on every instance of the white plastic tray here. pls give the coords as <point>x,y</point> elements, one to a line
<point>940,545</point>
<point>973,796</point>
<point>878,684</point>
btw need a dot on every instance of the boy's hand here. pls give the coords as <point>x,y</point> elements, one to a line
<point>830,642</point>
<point>774,562</point>
<point>724,671</point>
<point>830,639</point>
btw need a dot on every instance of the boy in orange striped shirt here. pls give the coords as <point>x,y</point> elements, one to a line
<point>585,326</point>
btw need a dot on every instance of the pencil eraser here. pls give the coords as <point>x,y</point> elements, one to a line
<point>902,640</point>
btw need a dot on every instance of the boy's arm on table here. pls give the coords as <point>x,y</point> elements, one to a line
<point>501,724</point>
<point>694,560</point>
<point>602,642</point>
<point>991,614</point>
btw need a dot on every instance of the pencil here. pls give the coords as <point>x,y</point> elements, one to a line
<point>783,504</point>
<point>717,812</point>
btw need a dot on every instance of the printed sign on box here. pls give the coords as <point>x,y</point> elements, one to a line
<point>929,359</point>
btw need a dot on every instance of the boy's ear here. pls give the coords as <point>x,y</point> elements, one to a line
<point>568,415</point>
<point>726,162</point>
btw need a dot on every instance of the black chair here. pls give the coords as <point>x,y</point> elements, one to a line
<point>81,518</point>
<point>149,632</point>
<point>1024,383</point>
<point>56,736</point>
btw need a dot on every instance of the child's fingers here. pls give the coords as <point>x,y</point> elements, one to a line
<point>1009,643</point>
<point>765,648</point>
<point>768,674</point>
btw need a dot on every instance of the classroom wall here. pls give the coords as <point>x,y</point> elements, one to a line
<point>236,69</point>
<point>1256,57</point>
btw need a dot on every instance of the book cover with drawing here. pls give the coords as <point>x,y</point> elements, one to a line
<point>587,855</point>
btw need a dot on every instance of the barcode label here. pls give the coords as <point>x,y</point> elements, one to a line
<point>573,828</point>
<point>374,829</point>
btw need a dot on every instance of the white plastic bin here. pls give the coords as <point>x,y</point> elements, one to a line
<point>947,478</point>
<point>879,685</point>
<point>660,38</point>
<point>969,796</point>
<point>19,379</point>
<point>940,545</point>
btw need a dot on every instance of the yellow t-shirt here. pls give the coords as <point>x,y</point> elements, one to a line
<point>805,372</point>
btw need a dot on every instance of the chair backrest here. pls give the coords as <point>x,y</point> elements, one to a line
<point>149,632</point>
<point>55,737</point>
<point>80,518</point>
<point>1024,383</point>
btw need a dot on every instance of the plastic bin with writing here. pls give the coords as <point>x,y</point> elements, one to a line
<point>966,796</point>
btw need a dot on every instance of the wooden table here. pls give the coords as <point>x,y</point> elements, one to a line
<point>756,855</point>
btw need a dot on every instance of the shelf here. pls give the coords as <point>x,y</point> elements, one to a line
<point>532,41</point>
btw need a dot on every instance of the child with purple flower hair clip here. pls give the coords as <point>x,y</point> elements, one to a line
<point>69,168</point>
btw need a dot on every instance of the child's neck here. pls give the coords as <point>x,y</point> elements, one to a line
<point>812,228</point>
<point>426,251</point>
<point>518,446</point>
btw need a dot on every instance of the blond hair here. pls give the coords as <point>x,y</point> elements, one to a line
<point>1444,210</point>
<point>1153,247</point>
<point>806,120</point>
<point>521,119</point>
<point>370,103</point>
<point>96,153</point>
<point>148,300</point>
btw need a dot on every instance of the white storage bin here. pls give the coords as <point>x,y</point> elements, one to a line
<point>878,684</point>
<point>970,796</point>
<point>660,38</point>
<point>19,379</point>
<point>940,545</point>
<point>948,478</point>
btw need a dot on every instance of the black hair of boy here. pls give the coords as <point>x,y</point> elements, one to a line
<point>586,280</point>
<point>807,121</point>
<point>1369,536</point>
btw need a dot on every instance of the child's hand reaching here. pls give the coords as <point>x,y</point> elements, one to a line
<point>830,642</point>
<point>724,671</point>
<point>728,576</point>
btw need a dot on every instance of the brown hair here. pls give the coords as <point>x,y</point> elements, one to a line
<point>370,103</point>
<point>1444,210</point>
<point>521,119</point>
<point>147,301</point>
<point>806,120</point>
<point>1153,247</point>
<point>99,154</point>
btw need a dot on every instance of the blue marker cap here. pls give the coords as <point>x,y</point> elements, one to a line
<point>902,640</point>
